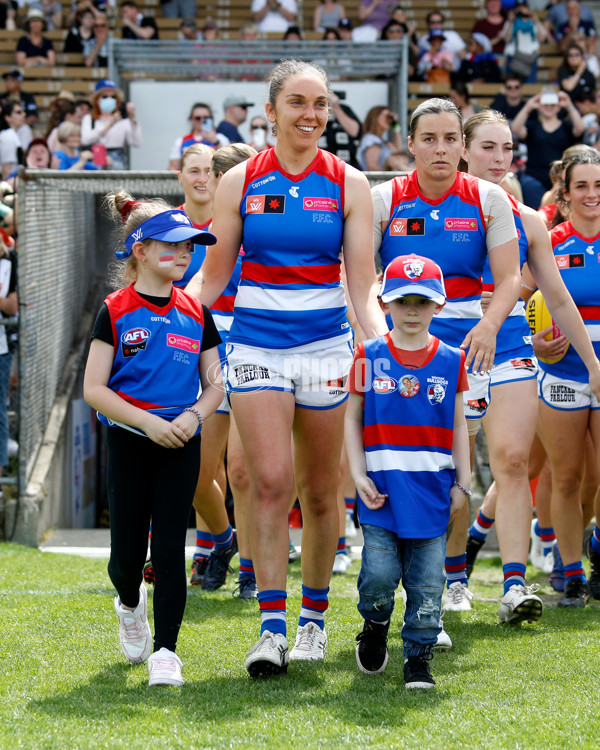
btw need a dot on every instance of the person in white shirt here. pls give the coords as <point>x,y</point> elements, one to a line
<point>274,15</point>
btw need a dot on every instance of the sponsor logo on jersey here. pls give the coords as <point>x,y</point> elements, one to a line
<point>159,319</point>
<point>561,393</point>
<point>384,385</point>
<point>590,249</point>
<point>565,244</point>
<point>478,404</point>
<point>435,214</point>
<point>337,383</point>
<point>260,183</point>
<point>575,260</point>
<point>134,340</point>
<point>265,204</point>
<point>409,386</point>
<point>320,204</point>
<point>461,225</point>
<point>249,373</point>
<point>182,342</point>
<point>293,191</point>
<point>407,227</point>
<point>524,363</point>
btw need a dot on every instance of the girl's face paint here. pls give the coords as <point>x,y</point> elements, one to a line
<point>166,258</point>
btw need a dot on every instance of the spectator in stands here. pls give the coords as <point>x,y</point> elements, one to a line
<point>492,25</point>
<point>588,105</point>
<point>459,95</point>
<point>188,30</point>
<point>327,15</point>
<point>8,308</point>
<point>376,154</point>
<point>12,91</point>
<point>236,112</point>
<point>345,29</point>
<point>52,11</point>
<point>179,8</point>
<point>249,32</point>
<point>523,34</point>
<point>210,31</point>
<point>343,132</point>
<point>89,38</point>
<point>136,25</point>
<point>395,31</point>
<point>436,63</point>
<point>33,48</point>
<point>480,62</point>
<point>61,111</point>
<point>274,15</point>
<point>509,101</point>
<point>453,42</point>
<point>69,155</point>
<point>539,126</point>
<point>203,131</point>
<point>331,35</point>
<point>112,124</point>
<point>38,155</point>
<point>12,117</point>
<point>374,13</point>
<point>292,34</point>
<point>259,131</point>
<point>575,23</point>
<point>591,56</point>
<point>8,12</point>
<point>574,76</point>
<point>557,16</point>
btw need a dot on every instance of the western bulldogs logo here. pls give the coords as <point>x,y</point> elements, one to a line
<point>134,340</point>
<point>436,393</point>
<point>413,268</point>
<point>384,385</point>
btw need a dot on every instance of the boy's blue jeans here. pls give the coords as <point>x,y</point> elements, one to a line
<point>419,564</point>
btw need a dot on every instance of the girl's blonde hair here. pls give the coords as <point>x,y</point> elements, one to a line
<point>228,156</point>
<point>196,149</point>
<point>129,214</point>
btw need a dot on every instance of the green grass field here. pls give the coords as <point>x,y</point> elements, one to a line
<point>65,684</point>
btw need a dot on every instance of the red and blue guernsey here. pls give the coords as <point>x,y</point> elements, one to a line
<point>452,232</point>
<point>150,340</point>
<point>408,433</point>
<point>578,260</point>
<point>514,337</point>
<point>290,291</point>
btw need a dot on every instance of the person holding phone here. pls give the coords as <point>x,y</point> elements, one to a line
<point>236,112</point>
<point>375,153</point>
<point>203,131</point>
<point>107,127</point>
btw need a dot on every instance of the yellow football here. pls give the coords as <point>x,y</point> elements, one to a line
<point>539,318</point>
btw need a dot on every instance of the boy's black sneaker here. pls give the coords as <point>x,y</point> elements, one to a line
<point>371,652</point>
<point>594,581</point>
<point>216,571</point>
<point>577,594</point>
<point>473,547</point>
<point>198,570</point>
<point>417,673</point>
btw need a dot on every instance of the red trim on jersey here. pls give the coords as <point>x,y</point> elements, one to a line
<point>589,312</point>
<point>563,231</point>
<point>224,303</point>
<point>137,402</point>
<point>329,274</point>
<point>396,434</point>
<point>462,286</point>
<point>324,163</point>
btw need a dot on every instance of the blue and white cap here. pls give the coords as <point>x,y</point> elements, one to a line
<point>413,274</point>
<point>169,226</point>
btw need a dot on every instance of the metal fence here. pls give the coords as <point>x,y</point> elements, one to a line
<point>239,60</point>
<point>64,245</point>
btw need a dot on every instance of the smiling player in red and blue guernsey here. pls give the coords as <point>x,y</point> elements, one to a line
<point>408,451</point>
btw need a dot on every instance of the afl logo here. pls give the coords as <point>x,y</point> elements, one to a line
<point>384,385</point>
<point>134,340</point>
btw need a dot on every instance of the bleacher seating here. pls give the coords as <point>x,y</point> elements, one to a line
<point>71,74</point>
